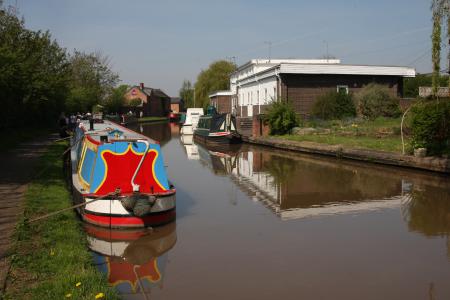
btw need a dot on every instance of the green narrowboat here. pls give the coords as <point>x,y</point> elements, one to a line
<point>217,129</point>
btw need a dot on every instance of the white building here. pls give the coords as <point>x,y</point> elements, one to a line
<point>258,82</point>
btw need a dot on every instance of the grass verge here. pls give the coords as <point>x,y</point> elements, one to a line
<point>391,144</point>
<point>51,256</point>
<point>379,134</point>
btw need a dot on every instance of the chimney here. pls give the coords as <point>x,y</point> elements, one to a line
<point>141,85</point>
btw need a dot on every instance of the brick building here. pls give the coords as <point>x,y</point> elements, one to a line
<point>221,100</point>
<point>153,102</point>
<point>258,82</point>
<point>176,104</point>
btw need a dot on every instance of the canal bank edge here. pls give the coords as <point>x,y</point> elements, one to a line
<point>434,164</point>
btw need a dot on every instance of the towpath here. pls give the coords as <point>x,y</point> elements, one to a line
<point>17,168</point>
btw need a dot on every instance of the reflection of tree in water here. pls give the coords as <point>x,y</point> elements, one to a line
<point>281,168</point>
<point>428,211</point>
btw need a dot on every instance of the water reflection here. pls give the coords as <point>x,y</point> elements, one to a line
<point>161,132</point>
<point>133,260</point>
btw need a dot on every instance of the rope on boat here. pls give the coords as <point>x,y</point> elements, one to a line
<point>115,193</point>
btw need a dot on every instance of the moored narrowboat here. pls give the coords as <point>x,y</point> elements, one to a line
<point>217,129</point>
<point>118,177</point>
<point>191,120</point>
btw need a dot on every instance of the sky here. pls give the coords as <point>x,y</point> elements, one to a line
<point>161,43</point>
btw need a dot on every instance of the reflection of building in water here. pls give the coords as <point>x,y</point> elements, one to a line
<point>189,146</point>
<point>133,260</point>
<point>297,187</point>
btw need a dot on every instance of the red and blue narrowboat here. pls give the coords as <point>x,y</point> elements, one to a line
<point>132,260</point>
<point>118,177</point>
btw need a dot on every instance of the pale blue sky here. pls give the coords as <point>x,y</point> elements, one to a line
<point>161,43</point>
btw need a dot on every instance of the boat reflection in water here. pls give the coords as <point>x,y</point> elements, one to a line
<point>132,260</point>
<point>191,149</point>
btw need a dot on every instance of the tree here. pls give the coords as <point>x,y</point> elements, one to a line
<point>187,93</point>
<point>92,80</point>
<point>436,44</point>
<point>215,78</point>
<point>116,99</point>
<point>440,9</point>
<point>33,74</point>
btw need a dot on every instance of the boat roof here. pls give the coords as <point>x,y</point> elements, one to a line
<point>108,128</point>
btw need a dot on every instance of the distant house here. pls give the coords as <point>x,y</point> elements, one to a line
<point>258,82</point>
<point>153,102</point>
<point>221,100</point>
<point>176,104</point>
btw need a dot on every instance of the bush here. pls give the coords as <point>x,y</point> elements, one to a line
<point>281,117</point>
<point>430,126</point>
<point>334,105</point>
<point>374,101</point>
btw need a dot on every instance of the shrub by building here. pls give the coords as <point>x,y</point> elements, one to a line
<point>281,117</point>
<point>375,101</point>
<point>430,126</point>
<point>334,105</point>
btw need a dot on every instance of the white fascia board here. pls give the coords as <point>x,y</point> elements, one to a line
<point>259,76</point>
<point>221,93</point>
<point>347,70</point>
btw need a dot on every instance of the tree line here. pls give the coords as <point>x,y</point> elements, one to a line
<point>215,78</point>
<point>39,79</point>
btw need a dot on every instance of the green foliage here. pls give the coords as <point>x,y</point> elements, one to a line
<point>187,93</point>
<point>215,78</point>
<point>430,126</point>
<point>91,80</point>
<point>281,117</point>
<point>135,102</point>
<point>436,51</point>
<point>334,105</point>
<point>116,99</point>
<point>375,101</point>
<point>39,80</point>
<point>33,75</point>
<point>411,85</point>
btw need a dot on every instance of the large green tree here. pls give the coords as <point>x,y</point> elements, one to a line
<point>33,74</point>
<point>187,93</point>
<point>91,80</point>
<point>215,78</point>
<point>440,9</point>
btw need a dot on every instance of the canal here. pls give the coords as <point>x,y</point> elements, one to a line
<point>259,223</point>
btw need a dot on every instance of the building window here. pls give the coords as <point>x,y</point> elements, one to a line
<point>265,96</point>
<point>275,93</point>
<point>342,89</point>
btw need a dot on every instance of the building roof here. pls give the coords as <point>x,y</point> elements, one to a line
<point>277,61</point>
<point>175,100</point>
<point>220,93</point>
<point>148,91</point>
<point>346,69</point>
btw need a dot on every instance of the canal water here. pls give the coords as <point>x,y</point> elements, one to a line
<point>258,223</point>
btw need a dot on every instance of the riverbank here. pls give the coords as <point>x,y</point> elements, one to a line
<point>50,257</point>
<point>435,164</point>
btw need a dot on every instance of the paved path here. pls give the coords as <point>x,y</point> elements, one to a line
<point>16,170</point>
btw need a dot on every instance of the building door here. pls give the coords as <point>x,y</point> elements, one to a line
<point>250,110</point>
